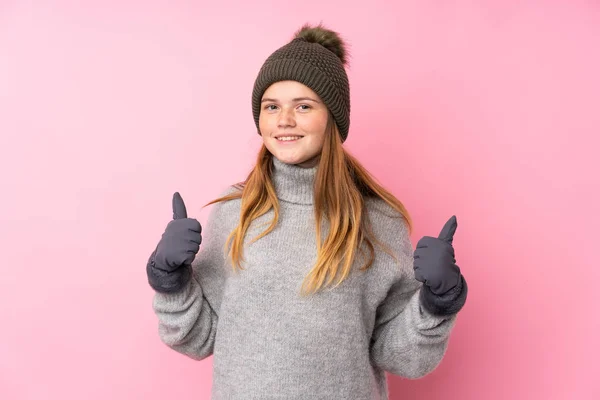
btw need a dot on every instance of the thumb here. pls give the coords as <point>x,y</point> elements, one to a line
<point>179,210</point>
<point>447,233</point>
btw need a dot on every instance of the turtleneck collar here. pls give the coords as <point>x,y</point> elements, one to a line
<point>293,184</point>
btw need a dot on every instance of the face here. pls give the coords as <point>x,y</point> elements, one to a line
<point>292,122</point>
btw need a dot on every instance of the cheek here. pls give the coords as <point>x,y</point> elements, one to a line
<point>317,125</point>
<point>321,128</point>
<point>261,123</point>
<point>265,125</point>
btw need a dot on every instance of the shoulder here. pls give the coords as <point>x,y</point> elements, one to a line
<point>382,214</point>
<point>231,189</point>
<point>226,210</point>
<point>388,225</point>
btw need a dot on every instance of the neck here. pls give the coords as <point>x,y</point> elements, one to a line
<point>293,183</point>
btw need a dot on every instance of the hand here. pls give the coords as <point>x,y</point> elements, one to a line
<point>181,240</point>
<point>434,261</point>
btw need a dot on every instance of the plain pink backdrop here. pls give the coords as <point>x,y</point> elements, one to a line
<point>487,110</point>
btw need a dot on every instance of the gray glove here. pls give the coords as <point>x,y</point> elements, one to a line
<point>169,266</point>
<point>444,290</point>
<point>434,260</point>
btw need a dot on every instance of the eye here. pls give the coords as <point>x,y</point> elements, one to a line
<point>267,107</point>
<point>305,105</point>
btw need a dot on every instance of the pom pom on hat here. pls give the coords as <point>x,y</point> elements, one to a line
<point>327,38</point>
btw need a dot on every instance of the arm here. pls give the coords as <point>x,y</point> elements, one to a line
<point>412,325</point>
<point>187,323</point>
<point>409,340</point>
<point>188,318</point>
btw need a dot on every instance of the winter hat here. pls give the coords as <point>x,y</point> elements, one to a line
<point>315,57</point>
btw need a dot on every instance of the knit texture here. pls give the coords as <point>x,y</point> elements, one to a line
<point>268,342</point>
<point>314,66</point>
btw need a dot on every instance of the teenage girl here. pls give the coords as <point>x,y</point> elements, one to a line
<point>303,284</point>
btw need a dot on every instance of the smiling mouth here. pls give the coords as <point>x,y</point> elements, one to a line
<point>288,138</point>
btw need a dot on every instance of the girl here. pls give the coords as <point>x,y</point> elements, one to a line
<point>306,286</point>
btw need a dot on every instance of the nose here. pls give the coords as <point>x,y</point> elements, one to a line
<point>286,118</point>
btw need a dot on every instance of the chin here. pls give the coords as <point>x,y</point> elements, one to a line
<point>288,160</point>
<point>292,160</point>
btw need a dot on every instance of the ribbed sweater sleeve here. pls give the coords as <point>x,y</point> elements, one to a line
<point>188,320</point>
<point>407,339</point>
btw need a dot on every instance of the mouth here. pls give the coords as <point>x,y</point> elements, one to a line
<point>288,138</point>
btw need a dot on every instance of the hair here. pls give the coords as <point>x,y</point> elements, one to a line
<point>341,187</point>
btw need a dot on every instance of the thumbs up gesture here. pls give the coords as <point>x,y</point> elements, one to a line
<point>181,240</point>
<point>434,262</point>
<point>176,249</point>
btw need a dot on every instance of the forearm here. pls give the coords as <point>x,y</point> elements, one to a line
<point>413,343</point>
<point>187,323</point>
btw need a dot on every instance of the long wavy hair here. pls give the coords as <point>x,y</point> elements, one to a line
<point>341,186</point>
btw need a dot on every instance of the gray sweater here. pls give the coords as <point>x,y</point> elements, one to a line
<point>268,342</point>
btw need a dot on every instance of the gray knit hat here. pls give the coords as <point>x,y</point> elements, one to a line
<point>316,58</point>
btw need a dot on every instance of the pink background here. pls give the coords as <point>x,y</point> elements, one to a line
<point>488,110</point>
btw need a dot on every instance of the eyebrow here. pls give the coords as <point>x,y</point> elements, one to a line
<point>294,100</point>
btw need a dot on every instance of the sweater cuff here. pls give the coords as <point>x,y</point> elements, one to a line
<point>449,303</point>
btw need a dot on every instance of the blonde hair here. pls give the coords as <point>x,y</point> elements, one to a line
<point>341,204</point>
